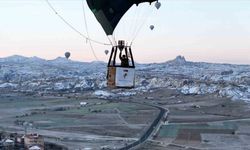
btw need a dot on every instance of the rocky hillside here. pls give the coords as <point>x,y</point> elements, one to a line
<point>34,74</point>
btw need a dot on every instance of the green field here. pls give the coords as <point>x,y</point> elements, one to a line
<point>172,130</point>
<point>62,114</point>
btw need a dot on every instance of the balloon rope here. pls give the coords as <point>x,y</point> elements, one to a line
<point>114,39</point>
<point>141,26</point>
<point>140,20</point>
<point>114,35</point>
<point>73,28</point>
<point>112,42</point>
<point>135,23</point>
<point>87,31</point>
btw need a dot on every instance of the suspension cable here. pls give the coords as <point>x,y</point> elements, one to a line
<point>72,27</point>
<point>140,27</point>
<point>87,31</point>
<point>136,22</point>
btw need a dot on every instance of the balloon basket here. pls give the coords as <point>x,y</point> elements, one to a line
<point>118,74</point>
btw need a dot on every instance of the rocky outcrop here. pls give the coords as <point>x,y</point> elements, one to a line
<point>35,74</point>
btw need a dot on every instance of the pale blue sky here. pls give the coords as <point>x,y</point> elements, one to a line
<point>201,30</point>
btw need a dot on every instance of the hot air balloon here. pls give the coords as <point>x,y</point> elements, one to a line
<point>158,5</point>
<point>152,27</point>
<point>67,55</point>
<point>106,52</point>
<point>109,13</point>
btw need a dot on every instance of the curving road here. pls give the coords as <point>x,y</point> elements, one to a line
<point>150,130</point>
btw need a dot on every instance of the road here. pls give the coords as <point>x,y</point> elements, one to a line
<point>151,130</point>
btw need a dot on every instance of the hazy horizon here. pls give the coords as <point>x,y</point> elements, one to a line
<point>202,31</point>
<point>106,61</point>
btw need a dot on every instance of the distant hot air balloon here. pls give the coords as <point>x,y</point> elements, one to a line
<point>152,27</point>
<point>106,52</point>
<point>157,5</point>
<point>67,55</point>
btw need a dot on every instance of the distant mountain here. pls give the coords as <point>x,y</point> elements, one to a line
<point>14,59</point>
<point>34,74</point>
<point>179,60</point>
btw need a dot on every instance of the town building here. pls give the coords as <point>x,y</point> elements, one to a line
<point>34,142</point>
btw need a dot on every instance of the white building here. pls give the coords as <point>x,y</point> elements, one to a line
<point>35,148</point>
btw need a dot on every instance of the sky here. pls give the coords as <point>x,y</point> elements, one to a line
<point>201,30</point>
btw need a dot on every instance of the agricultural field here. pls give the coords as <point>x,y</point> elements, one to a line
<point>201,122</point>
<point>64,119</point>
<point>88,122</point>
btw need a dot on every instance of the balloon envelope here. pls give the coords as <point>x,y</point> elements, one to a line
<point>157,5</point>
<point>106,52</point>
<point>152,27</point>
<point>67,55</point>
<point>109,12</point>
